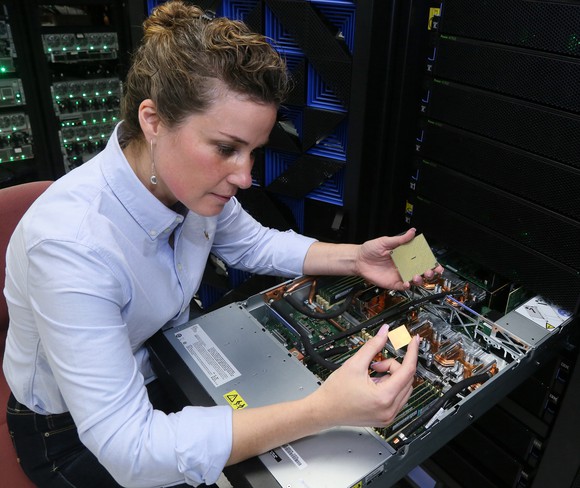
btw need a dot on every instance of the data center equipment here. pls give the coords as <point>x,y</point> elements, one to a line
<point>20,130</point>
<point>484,145</point>
<point>480,155</point>
<point>83,50</point>
<point>281,344</point>
<point>60,81</point>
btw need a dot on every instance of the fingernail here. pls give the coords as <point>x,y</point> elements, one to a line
<point>383,330</point>
<point>418,339</point>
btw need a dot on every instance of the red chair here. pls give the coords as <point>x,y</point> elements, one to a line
<point>14,201</point>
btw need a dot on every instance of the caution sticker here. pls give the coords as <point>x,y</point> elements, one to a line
<point>235,400</point>
<point>433,12</point>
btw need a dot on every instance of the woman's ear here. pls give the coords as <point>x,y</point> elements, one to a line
<point>149,119</point>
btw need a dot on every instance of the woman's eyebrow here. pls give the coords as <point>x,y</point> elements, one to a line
<point>234,138</point>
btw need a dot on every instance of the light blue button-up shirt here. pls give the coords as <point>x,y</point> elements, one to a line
<point>91,275</point>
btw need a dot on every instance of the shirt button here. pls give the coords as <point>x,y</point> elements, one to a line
<point>153,233</point>
<point>167,231</point>
<point>179,266</point>
<point>179,219</point>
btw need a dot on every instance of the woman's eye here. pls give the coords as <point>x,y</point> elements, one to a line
<point>226,150</point>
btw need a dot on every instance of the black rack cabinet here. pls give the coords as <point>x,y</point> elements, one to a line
<point>74,58</point>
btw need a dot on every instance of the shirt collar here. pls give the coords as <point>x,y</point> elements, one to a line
<point>152,215</point>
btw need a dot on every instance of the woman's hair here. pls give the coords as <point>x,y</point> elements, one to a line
<point>185,58</point>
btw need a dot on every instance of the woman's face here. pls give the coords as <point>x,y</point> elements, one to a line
<point>204,161</point>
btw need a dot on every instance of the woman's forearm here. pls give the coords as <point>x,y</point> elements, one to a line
<point>331,259</point>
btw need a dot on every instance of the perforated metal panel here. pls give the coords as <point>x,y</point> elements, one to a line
<point>545,26</point>
<point>537,77</point>
<point>497,159</point>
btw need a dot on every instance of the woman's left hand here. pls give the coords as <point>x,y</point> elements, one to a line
<point>374,262</point>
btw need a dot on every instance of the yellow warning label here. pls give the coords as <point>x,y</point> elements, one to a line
<point>235,400</point>
<point>433,12</point>
<point>409,207</point>
<point>358,485</point>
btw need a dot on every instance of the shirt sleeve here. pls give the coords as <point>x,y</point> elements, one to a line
<point>245,244</point>
<point>77,299</point>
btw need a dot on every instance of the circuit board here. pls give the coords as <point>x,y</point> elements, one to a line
<point>324,321</point>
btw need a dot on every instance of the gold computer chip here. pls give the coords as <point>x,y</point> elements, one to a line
<point>399,337</point>
<point>413,258</point>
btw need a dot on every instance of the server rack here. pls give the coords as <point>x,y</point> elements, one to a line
<point>480,156</point>
<point>22,137</point>
<point>484,150</point>
<point>76,55</point>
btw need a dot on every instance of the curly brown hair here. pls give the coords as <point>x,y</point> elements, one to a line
<point>184,56</point>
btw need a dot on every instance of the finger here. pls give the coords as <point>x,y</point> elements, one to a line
<point>400,378</point>
<point>386,365</point>
<point>370,349</point>
<point>406,237</point>
<point>412,354</point>
<point>417,279</point>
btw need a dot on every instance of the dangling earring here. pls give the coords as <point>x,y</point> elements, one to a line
<point>153,178</point>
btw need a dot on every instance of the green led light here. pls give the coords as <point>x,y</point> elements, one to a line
<point>64,48</point>
<point>2,69</point>
<point>23,157</point>
<point>49,49</point>
<point>11,158</point>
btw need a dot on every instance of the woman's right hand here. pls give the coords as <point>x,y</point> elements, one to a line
<point>350,396</point>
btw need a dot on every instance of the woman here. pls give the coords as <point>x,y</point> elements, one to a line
<point>116,249</point>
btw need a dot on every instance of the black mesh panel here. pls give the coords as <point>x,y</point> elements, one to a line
<point>546,79</point>
<point>532,127</point>
<point>539,180</point>
<point>546,26</point>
